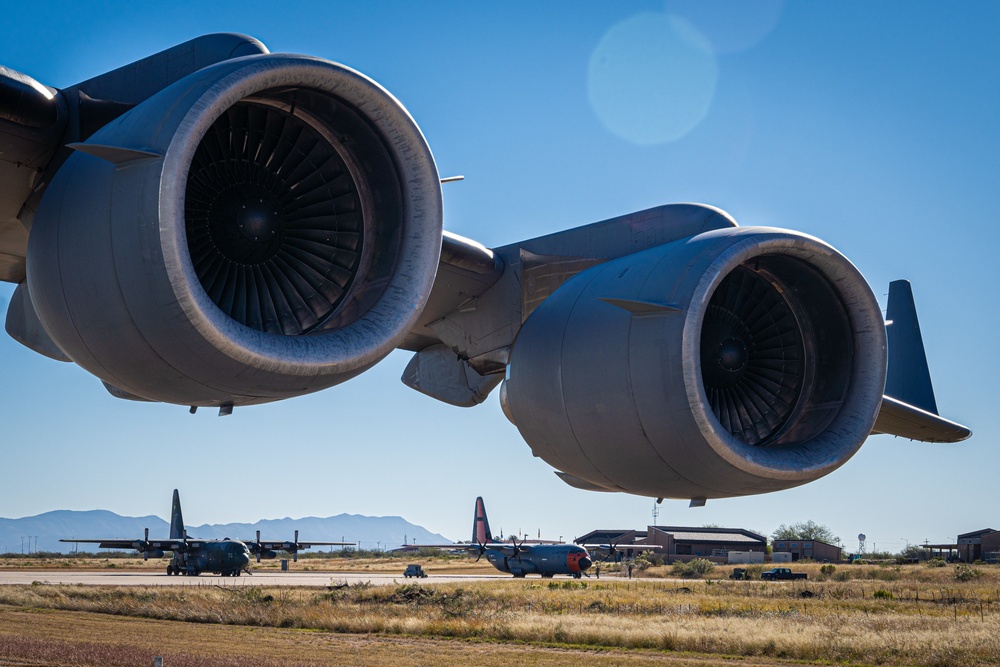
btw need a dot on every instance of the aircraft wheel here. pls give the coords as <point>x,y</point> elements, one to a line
<point>170,570</point>
<point>577,575</point>
<point>547,575</point>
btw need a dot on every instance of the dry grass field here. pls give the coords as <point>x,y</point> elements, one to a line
<point>308,562</point>
<point>856,614</point>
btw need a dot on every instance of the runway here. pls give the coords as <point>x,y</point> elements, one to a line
<point>319,579</point>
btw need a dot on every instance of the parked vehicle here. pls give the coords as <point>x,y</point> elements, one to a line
<point>782,574</point>
<point>414,570</point>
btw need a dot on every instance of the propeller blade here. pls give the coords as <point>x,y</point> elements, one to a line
<point>258,546</point>
<point>145,546</point>
<point>295,552</point>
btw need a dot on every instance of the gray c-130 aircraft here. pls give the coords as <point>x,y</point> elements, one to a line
<point>524,557</point>
<point>219,226</point>
<point>192,556</point>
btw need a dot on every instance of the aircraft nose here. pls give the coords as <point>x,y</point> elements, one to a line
<point>585,563</point>
<point>244,559</point>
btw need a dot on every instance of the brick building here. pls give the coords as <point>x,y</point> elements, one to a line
<point>981,545</point>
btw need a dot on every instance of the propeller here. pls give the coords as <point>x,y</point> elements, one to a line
<point>752,356</point>
<point>257,547</point>
<point>612,550</point>
<point>293,548</point>
<point>517,548</point>
<point>145,546</point>
<point>482,550</point>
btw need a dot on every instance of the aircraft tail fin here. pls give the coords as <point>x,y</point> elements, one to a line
<point>177,531</point>
<point>908,378</point>
<point>908,407</point>
<point>481,525</point>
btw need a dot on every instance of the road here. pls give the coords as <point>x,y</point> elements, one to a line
<point>136,578</point>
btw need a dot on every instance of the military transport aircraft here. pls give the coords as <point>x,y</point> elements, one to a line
<point>520,558</point>
<point>193,556</point>
<point>219,226</point>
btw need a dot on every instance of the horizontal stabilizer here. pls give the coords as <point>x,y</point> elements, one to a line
<point>908,421</point>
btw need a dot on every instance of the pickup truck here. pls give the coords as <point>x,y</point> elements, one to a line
<point>782,574</point>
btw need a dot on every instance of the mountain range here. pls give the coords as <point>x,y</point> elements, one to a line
<point>43,532</point>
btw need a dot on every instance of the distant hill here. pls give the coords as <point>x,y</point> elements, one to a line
<point>385,532</point>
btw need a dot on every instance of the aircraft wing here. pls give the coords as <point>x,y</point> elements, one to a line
<point>138,545</point>
<point>458,545</point>
<point>668,306</point>
<point>264,545</point>
<point>505,547</point>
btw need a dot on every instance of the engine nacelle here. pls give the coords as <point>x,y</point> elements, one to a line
<point>155,553</point>
<point>734,362</point>
<point>266,227</point>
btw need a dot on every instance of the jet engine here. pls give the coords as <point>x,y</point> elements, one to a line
<point>263,228</point>
<point>737,361</point>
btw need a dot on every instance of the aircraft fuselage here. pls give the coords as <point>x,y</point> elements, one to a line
<point>544,559</point>
<point>225,557</point>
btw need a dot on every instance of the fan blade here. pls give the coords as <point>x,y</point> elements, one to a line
<point>751,356</point>
<point>273,220</point>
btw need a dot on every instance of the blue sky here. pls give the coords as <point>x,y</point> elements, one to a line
<point>874,126</point>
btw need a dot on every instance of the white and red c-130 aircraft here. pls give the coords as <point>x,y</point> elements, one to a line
<point>218,226</point>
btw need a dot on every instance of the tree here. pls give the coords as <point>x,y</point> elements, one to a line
<point>808,530</point>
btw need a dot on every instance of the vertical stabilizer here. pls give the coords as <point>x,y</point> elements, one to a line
<point>481,525</point>
<point>907,378</point>
<point>176,520</point>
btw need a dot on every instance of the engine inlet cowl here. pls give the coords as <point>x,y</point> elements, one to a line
<point>763,370</point>
<point>271,227</point>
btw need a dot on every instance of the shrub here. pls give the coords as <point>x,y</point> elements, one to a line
<point>964,572</point>
<point>936,562</point>
<point>882,595</point>
<point>828,569</point>
<point>692,569</point>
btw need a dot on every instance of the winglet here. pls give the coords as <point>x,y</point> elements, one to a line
<point>176,520</point>
<point>481,525</point>
<point>908,378</point>
<point>908,408</point>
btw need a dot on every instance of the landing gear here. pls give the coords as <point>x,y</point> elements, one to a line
<point>170,570</point>
<point>577,575</point>
<point>547,575</point>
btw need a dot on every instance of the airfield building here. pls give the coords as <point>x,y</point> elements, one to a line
<point>981,545</point>
<point>799,549</point>
<point>678,543</point>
